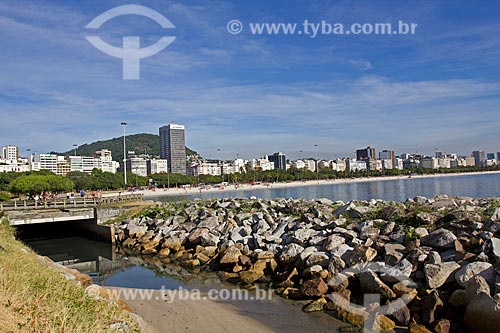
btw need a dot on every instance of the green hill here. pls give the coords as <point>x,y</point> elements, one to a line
<point>139,143</point>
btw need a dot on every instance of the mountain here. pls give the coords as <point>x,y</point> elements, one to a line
<point>140,143</point>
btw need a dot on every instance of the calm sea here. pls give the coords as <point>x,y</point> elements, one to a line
<point>474,185</point>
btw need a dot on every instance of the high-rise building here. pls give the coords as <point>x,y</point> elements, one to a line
<point>387,155</point>
<point>279,160</point>
<point>479,157</point>
<point>173,147</point>
<point>9,153</point>
<point>366,153</point>
<point>490,156</point>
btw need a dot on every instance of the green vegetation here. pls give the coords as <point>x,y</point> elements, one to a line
<point>411,235</point>
<point>140,143</point>
<point>33,184</point>
<point>4,196</point>
<point>35,298</point>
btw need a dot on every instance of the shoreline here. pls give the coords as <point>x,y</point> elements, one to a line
<point>205,315</point>
<point>266,186</point>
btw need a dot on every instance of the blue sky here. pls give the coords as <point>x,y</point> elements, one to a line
<point>256,94</point>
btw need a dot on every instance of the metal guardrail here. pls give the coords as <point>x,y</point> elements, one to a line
<point>61,203</point>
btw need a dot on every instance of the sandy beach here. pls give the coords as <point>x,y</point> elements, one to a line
<point>249,187</point>
<point>277,315</point>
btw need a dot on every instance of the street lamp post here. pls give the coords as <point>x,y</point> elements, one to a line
<point>221,166</point>
<point>124,124</point>
<point>75,145</point>
<point>236,171</point>
<point>317,162</point>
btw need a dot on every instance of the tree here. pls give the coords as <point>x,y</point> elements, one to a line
<point>33,184</point>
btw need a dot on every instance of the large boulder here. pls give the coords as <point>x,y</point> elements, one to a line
<point>231,255</point>
<point>440,239</point>
<point>361,253</point>
<point>482,315</point>
<point>437,275</point>
<point>400,272</point>
<point>466,273</point>
<point>290,253</point>
<point>432,307</point>
<point>393,253</point>
<point>314,288</point>
<point>333,242</point>
<point>371,284</point>
<point>495,248</point>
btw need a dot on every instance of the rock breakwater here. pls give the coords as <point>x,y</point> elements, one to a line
<point>434,263</point>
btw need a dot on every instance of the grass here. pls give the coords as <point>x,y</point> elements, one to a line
<point>34,298</point>
<point>134,210</point>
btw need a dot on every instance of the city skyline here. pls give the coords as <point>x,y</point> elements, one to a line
<point>248,94</point>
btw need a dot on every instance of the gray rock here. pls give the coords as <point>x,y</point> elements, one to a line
<point>388,213</point>
<point>458,298</point>
<point>260,227</point>
<point>318,258</point>
<point>312,271</point>
<point>398,236</point>
<point>342,250</point>
<point>399,312</point>
<point>338,282</point>
<point>340,221</point>
<point>344,209</point>
<point>360,254</point>
<point>210,223</point>
<point>434,258</point>
<point>371,284</point>
<point>317,241</point>
<point>236,234</point>
<point>428,218</point>
<point>475,286</point>
<point>400,272</point>
<point>325,201</point>
<point>432,307</point>
<point>307,252</point>
<point>438,275</point>
<point>369,232</point>
<point>466,273</point>
<point>209,240</point>
<point>440,239</point>
<point>136,231</point>
<point>496,215</point>
<point>333,242</point>
<point>280,229</point>
<point>420,199</point>
<point>482,315</point>
<point>387,228</point>
<point>303,235</point>
<point>495,247</point>
<point>290,253</point>
<point>231,255</point>
<point>336,264</point>
<point>421,232</point>
<point>197,234</point>
<point>393,253</point>
<point>492,226</point>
